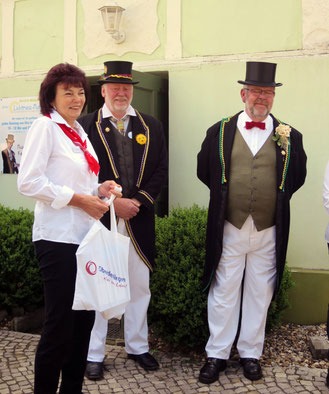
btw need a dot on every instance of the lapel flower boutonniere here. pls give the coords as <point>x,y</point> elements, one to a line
<point>281,137</point>
<point>141,139</point>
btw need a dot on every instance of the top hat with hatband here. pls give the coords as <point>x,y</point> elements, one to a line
<point>117,72</point>
<point>10,138</point>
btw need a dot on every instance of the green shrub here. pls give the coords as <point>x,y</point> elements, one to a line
<point>178,306</point>
<point>20,280</point>
<point>178,309</point>
<point>281,303</point>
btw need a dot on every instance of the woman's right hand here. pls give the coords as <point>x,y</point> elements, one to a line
<point>107,188</point>
<point>92,205</point>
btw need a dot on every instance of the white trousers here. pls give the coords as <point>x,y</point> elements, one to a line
<point>135,317</point>
<point>250,253</point>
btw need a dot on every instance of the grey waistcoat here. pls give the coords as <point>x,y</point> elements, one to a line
<point>252,184</point>
<point>124,146</point>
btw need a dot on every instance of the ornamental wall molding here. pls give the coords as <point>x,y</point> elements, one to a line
<point>188,63</point>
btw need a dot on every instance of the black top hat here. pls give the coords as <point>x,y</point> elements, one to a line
<point>260,74</point>
<point>117,72</point>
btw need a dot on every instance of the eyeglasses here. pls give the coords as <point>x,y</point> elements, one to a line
<point>258,92</point>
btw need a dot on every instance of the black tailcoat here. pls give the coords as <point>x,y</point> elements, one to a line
<point>150,171</point>
<point>214,171</point>
<point>8,166</point>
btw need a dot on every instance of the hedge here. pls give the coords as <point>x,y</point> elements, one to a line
<point>178,309</point>
<point>20,279</point>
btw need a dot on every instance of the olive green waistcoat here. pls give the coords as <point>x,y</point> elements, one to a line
<point>124,147</point>
<point>252,184</point>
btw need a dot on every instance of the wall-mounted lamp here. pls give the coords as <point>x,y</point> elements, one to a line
<point>111,17</point>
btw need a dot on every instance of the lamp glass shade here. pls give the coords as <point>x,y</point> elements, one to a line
<point>111,17</point>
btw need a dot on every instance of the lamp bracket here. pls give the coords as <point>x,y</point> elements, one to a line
<point>118,36</point>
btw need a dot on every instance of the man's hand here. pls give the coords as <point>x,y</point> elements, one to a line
<point>126,208</point>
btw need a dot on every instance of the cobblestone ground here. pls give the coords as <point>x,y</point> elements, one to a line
<point>176,375</point>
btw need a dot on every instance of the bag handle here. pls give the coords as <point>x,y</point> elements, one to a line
<point>109,202</point>
<point>114,226</point>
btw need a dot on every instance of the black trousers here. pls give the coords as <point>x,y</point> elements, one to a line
<point>64,341</point>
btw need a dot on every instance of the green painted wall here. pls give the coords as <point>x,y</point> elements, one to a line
<point>309,298</point>
<point>9,195</point>
<point>1,28</point>
<point>38,34</point>
<point>229,27</point>
<point>20,87</point>
<point>201,96</point>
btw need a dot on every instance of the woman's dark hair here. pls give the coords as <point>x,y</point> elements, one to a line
<point>65,73</point>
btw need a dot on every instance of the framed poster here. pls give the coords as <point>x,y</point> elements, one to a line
<point>16,117</point>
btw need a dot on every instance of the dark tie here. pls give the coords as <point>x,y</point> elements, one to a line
<point>250,125</point>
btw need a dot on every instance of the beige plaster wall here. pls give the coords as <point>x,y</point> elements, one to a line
<point>139,22</point>
<point>315,24</point>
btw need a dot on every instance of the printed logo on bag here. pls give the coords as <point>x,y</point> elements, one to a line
<point>91,268</point>
<point>114,279</point>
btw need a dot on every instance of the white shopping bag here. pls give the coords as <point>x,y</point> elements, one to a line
<point>102,282</point>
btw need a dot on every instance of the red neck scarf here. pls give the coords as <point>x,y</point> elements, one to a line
<point>76,139</point>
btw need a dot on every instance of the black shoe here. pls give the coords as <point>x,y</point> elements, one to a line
<point>251,368</point>
<point>209,373</point>
<point>145,360</point>
<point>94,371</point>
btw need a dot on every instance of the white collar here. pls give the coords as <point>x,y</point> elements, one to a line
<point>106,113</point>
<point>244,117</point>
<point>57,118</point>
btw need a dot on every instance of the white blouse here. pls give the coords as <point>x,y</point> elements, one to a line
<point>52,169</point>
<point>326,197</point>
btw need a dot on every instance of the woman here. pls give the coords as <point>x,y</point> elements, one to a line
<point>59,169</point>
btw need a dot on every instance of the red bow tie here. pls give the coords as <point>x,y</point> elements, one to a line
<point>250,125</point>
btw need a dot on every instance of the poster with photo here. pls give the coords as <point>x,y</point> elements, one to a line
<point>16,117</point>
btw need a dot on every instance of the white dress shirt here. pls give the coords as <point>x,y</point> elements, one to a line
<point>53,169</point>
<point>255,138</point>
<point>106,113</point>
<point>326,197</point>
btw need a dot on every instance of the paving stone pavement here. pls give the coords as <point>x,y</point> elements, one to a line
<point>176,375</point>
